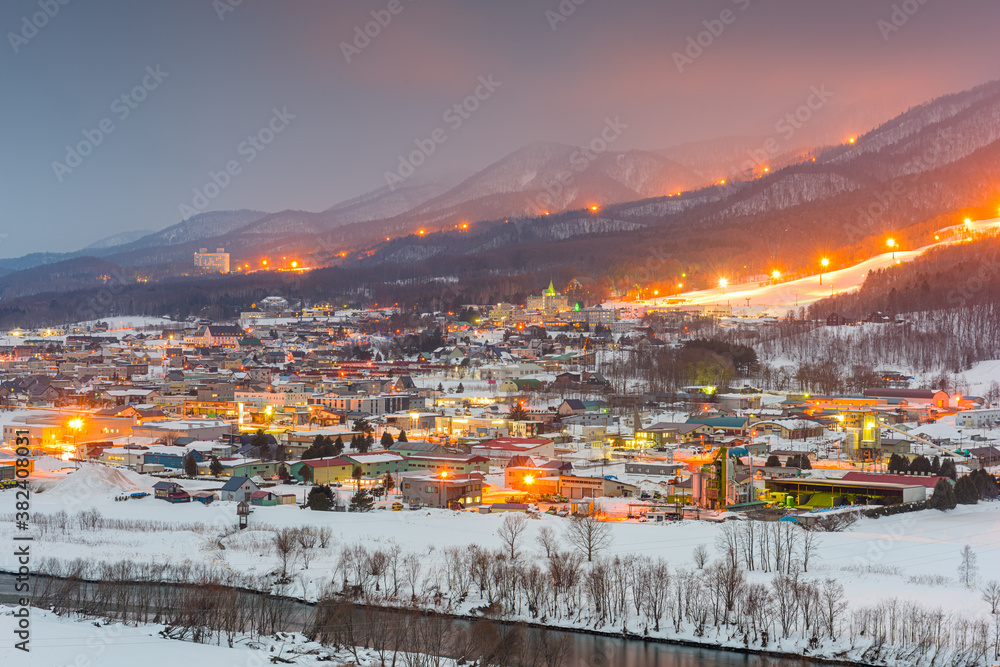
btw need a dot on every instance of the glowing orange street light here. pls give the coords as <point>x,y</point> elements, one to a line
<point>851,140</point>
<point>767,169</point>
<point>295,265</point>
<point>465,225</point>
<point>892,244</point>
<point>528,479</point>
<point>594,207</point>
<point>421,232</point>
<point>722,284</point>
<point>775,274</point>
<point>823,264</point>
<point>722,182</point>
<point>264,262</point>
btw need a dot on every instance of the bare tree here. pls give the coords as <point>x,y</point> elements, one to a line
<point>306,539</point>
<point>832,605</point>
<point>548,540</point>
<point>968,570</point>
<point>285,543</point>
<point>700,556</point>
<point>588,535</point>
<point>990,593</point>
<point>511,529</point>
<point>727,541</point>
<point>810,545</point>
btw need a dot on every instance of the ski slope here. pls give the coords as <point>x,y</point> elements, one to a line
<point>754,299</point>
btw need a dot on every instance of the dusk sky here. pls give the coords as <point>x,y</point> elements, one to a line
<point>213,77</point>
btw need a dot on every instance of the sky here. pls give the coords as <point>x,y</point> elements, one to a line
<point>123,115</point>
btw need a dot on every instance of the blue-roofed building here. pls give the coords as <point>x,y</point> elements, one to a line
<point>238,488</point>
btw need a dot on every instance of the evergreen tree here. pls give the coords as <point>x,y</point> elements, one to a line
<point>386,440</point>
<point>460,389</point>
<point>215,467</point>
<point>338,446</point>
<point>389,483</point>
<point>948,469</point>
<point>440,388</point>
<point>772,461</point>
<point>792,461</point>
<point>315,450</point>
<point>943,497</point>
<point>965,491</point>
<point>936,465</point>
<point>320,498</point>
<point>190,465</point>
<point>282,471</point>
<point>361,501</point>
<point>991,487</point>
<point>920,465</point>
<point>402,437</point>
<point>898,464</point>
<point>804,462</point>
<point>356,476</point>
<point>362,445</point>
<point>306,473</point>
<point>261,445</point>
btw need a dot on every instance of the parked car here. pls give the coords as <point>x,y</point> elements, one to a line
<point>396,507</point>
<point>563,512</point>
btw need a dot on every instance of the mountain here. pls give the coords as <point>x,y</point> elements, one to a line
<point>532,209</point>
<point>934,163</point>
<point>116,240</point>
<point>124,248</point>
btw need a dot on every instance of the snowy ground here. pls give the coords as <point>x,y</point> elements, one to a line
<point>874,558</point>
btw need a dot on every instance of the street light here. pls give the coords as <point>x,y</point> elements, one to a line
<point>722,284</point>
<point>823,264</point>
<point>76,424</point>
<point>892,244</point>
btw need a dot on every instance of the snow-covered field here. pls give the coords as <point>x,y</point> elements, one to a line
<point>905,547</point>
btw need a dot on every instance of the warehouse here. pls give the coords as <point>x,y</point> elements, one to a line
<point>811,493</point>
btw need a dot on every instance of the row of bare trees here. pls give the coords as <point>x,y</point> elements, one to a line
<point>756,590</point>
<point>927,342</point>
